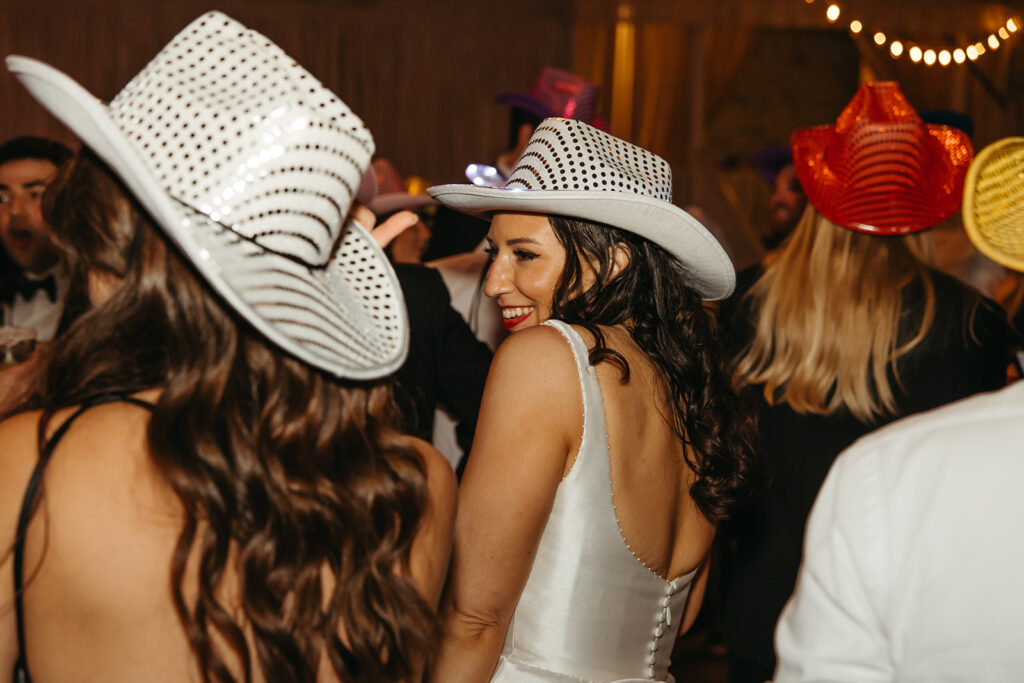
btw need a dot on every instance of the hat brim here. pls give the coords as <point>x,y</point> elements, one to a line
<point>710,272</point>
<point>523,101</point>
<point>294,306</point>
<point>391,202</point>
<point>1007,198</point>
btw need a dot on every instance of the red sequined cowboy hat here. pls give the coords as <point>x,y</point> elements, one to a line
<point>880,169</point>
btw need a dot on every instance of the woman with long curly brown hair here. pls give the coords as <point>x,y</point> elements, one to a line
<point>207,484</point>
<point>610,441</point>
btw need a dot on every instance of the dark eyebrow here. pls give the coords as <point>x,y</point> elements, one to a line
<point>26,186</point>
<point>523,240</point>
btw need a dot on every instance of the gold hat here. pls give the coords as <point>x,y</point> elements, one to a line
<point>993,209</point>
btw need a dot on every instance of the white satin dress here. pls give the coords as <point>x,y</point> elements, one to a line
<point>591,610</point>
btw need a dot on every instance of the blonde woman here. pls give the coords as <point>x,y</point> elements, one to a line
<point>848,329</point>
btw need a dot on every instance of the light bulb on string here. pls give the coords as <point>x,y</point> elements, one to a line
<point>915,54</point>
<point>1003,33</point>
<point>993,42</point>
<point>879,38</point>
<point>945,58</point>
<point>1011,25</point>
<point>959,56</point>
<point>832,13</point>
<point>929,57</point>
<point>972,52</point>
<point>896,49</point>
<point>856,26</point>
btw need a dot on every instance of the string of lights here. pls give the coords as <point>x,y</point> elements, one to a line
<point>924,54</point>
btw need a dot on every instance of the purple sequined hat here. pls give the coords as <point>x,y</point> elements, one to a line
<point>558,93</point>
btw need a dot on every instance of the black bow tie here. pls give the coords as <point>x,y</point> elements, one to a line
<point>29,288</point>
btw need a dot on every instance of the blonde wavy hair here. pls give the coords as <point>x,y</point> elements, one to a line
<point>827,323</point>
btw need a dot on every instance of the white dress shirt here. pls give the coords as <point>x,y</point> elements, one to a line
<point>913,565</point>
<point>38,313</point>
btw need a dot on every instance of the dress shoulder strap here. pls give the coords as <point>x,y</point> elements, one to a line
<point>28,507</point>
<point>595,434</point>
<point>579,347</point>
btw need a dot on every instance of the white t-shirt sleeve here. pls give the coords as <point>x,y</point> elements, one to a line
<point>830,630</point>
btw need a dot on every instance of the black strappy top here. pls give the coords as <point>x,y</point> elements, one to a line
<point>28,508</point>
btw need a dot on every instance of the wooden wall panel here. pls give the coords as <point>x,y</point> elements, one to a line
<point>422,75</point>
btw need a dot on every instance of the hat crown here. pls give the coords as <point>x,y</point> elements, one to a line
<point>389,180</point>
<point>878,102</point>
<point>237,130</point>
<point>566,94</point>
<point>568,155</point>
<point>994,202</point>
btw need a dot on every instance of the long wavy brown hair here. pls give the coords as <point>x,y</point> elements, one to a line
<point>650,297</point>
<point>285,475</point>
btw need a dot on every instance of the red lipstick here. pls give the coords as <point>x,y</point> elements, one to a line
<point>512,322</point>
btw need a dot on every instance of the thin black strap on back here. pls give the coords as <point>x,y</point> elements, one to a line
<point>28,506</point>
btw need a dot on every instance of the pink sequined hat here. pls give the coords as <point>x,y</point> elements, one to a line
<point>561,94</point>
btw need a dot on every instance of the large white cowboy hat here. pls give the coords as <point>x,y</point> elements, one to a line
<point>249,164</point>
<point>572,169</point>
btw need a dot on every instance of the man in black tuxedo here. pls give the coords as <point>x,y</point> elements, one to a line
<point>32,283</point>
<point>447,364</point>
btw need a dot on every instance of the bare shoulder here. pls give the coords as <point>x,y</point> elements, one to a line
<point>538,360</point>
<point>17,459</point>
<point>431,550</point>
<point>532,382</point>
<point>441,483</point>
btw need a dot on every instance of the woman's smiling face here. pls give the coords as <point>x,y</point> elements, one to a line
<point>526,264</point>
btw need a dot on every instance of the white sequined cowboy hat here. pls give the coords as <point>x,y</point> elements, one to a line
<point>249,164</point>
<point>572,169</point>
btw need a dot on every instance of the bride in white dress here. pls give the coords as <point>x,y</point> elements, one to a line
<point>610,441</point>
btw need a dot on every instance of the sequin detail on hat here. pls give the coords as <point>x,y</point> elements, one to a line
<point>564,154</point>
<point>227,121</point>
<point>881,169</point>
<point>993,209</point>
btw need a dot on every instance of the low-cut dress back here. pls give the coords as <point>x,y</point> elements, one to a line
<point>590,610</point>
